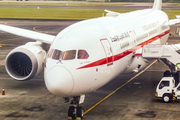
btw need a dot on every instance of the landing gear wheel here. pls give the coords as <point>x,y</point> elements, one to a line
<point>166,98</point>
<point>80,112</point>
<point>71,114</point>
<point>76,111</point>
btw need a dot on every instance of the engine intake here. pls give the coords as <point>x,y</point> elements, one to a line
<point>25,62</point>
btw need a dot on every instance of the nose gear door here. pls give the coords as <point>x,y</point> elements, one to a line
<point>108,51</point>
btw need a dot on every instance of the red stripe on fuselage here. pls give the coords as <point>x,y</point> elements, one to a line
<point>138,54</point>
<point>125,53</point>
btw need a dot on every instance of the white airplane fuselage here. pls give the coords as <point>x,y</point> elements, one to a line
<point>111,43</point>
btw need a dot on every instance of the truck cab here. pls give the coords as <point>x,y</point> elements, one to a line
<point>165,88</point>
<point>168,88</point>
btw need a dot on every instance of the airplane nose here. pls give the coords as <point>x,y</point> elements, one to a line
<point>59,81</point>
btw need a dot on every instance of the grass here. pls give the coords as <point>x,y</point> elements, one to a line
<point>172,13</point>
<point>59,13</point>
<point>51,13</point>
<point>63,3</point>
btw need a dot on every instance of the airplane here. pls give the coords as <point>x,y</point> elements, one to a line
<point>88,54</point>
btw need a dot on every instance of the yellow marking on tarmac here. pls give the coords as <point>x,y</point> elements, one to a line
<point>118,88</point>
<point>34,28</point>
<point>5,44</point>
<point>10,39</point>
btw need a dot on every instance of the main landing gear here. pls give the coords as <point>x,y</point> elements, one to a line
<point>76,112</point>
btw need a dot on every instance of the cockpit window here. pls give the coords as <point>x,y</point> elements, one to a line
<point>69,55</point>
<point>56,54</point>
<point>82,54</point>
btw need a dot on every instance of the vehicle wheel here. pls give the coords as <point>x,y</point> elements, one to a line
<point>71,111</point>
<point>80,112</point>
<point>166,98</point>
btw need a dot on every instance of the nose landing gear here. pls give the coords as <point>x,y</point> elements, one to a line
<point>76,112</point>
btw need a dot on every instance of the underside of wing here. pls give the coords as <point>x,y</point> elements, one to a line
<point>45,38</point>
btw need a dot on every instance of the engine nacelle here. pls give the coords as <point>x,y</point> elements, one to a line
<point>26,61</point>
<point>137,64</point>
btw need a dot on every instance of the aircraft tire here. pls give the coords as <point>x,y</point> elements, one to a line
<point>80,112</point>
<point>70,112</point>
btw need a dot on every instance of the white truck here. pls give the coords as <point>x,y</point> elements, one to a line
<point>167,89</point>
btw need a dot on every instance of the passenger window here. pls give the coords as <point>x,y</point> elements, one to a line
<point>82,54</point>
<point>163,84</point>
<point>56,54</point>
<point>50,53</point>
<point>69,55</point>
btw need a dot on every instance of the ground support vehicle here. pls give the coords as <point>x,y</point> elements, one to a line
<point>169,88</point>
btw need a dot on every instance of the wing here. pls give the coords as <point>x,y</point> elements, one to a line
<point>111,13</point>
<point>108,11</point>
<point>174,21</point>
<point>45,38</point>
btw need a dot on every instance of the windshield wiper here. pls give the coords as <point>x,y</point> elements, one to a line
<point>60,61</point>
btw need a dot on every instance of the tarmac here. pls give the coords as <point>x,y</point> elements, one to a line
<point>30,100</point>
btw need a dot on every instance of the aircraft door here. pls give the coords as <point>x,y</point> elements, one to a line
<point>132,37</point>
<point>108,51</point>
